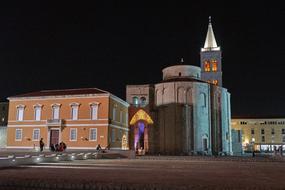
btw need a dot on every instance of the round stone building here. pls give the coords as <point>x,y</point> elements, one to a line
<point>188,112</point>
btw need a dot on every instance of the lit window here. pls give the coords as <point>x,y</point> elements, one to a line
<point>207,66</point>
<point>38,110</point>
<point>113,135</point>
<point>214,65</point>
<point>215,82</point>
<point>135,100</point>
<point>74,112</point>
<point>55,111</point>
<point>36,134</point>
<point>73,134</point>
<point>93,134</point>
<point>18,135</point>
<point>20,113</point>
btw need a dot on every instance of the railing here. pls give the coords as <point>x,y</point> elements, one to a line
<point>54,122</point>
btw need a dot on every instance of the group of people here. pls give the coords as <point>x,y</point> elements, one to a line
<point>58,147</point>
<point>99,148</point>
<point>62,147</point>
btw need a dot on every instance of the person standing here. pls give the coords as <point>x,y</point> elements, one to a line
<point>42,144</point>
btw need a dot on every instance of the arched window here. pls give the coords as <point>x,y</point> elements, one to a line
<point>181,96</point>
<point>135,100</point>
<point>159,97</point>
<point>203,100</point>
<point>143,101</point>
<point>214,65</point>
<point>207,66</point>
<point>189,96</point>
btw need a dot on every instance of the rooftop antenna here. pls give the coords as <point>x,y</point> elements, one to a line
<point>181,60</point>
<point>210,19</point>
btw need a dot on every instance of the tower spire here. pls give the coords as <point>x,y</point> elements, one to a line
<point>210,42</point>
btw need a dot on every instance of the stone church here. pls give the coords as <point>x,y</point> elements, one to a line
<point>187,113</point>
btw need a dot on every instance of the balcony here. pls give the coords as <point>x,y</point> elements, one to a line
<point>55,122</point>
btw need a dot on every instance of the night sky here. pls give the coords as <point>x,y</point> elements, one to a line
<point>110,45</point>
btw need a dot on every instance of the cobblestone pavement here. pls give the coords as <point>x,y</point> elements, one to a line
<point>149,173</point>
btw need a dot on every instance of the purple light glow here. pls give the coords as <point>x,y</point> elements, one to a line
<point>139,133</point>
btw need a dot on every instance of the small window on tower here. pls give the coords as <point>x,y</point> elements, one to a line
<point>215,82</point>
<point>207,66</point>
<point>214,65</point>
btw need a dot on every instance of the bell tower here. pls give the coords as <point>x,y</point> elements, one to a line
<point>211,59</point>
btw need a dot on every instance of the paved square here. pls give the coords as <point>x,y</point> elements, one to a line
<point>150,172</point>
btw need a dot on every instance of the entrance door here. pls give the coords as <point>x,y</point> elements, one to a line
<point>54,137</point>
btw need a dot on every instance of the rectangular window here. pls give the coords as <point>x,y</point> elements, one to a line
<point>55,112</point>
<point>262,131</point>
<point>73,134</point>
<point>252,131</point>
<point>20,114</point>
<point>262,138</point>
<point>93,134</point>
<point>94,112</point>
<point>283,138</point>
<point>283,131</point>
<point>113,137</point>
<point>272,131</point>
<point>38,113</point>
<point>36,134</point>
<point>74,112</point>
<point>18,135</point>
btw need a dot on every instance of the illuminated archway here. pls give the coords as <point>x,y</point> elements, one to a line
<point>141,115</point>
<point>139,132</point>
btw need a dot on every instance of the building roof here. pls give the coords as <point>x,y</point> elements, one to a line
<point>183,79</point>
<point>62,92</point>
<point>210,42</point>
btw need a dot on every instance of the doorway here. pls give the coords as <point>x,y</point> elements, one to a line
<point>54,136</point>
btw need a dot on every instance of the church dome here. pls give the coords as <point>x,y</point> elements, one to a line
<point>181,71</point>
